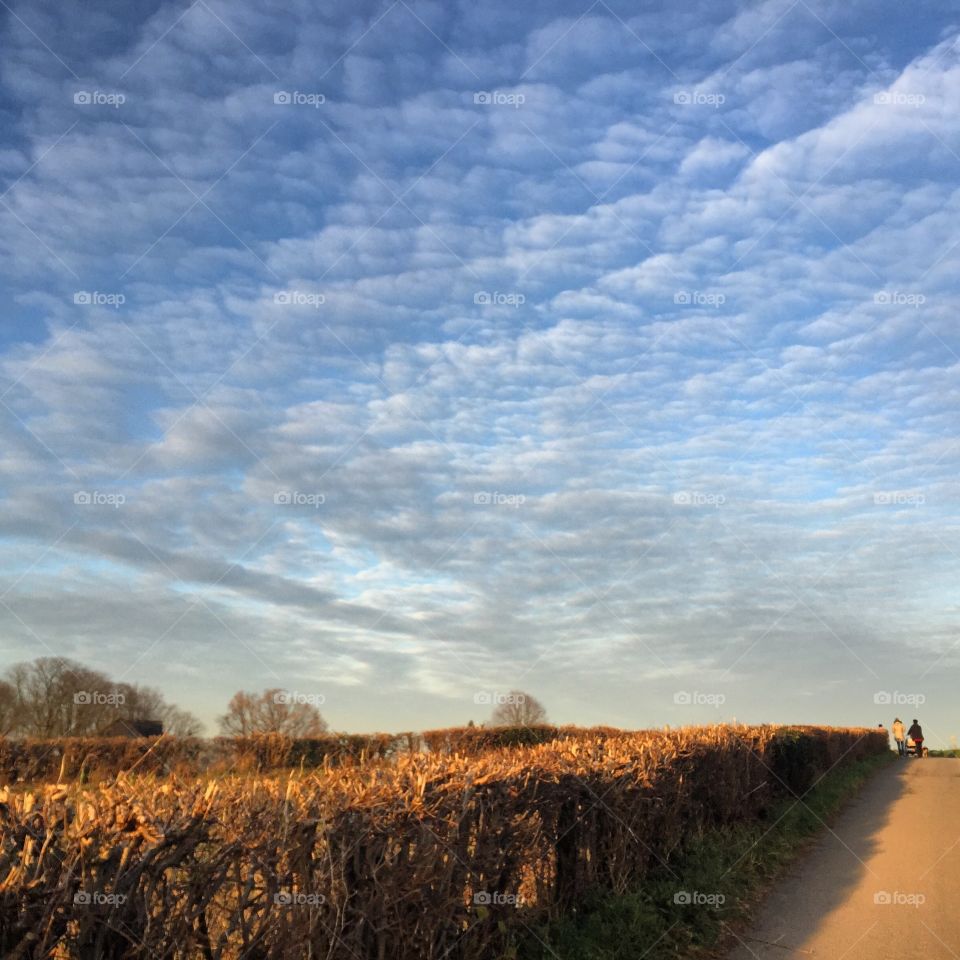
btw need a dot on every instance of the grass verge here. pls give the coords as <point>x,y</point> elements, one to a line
<point>710,886</point>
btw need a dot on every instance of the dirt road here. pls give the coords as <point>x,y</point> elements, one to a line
<point>883,883</point>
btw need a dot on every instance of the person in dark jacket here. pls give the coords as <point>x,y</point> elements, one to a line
<point>915,733</point>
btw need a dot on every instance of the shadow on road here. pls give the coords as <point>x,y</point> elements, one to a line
<point>836,868</point>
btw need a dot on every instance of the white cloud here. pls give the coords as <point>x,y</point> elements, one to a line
<point>593,385</point>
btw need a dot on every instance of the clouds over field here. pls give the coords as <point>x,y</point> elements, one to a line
<point>406,350</point>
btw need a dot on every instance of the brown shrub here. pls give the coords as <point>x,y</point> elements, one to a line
<point>425,856</point>
<point>96,758</point>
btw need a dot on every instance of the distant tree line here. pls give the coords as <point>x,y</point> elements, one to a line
<point>53,697</point>
<point>57,697</point>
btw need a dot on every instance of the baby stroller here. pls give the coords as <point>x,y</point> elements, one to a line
<point>912,748</point>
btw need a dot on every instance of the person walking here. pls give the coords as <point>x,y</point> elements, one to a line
<point>915,733</point>
<point>899,737</point>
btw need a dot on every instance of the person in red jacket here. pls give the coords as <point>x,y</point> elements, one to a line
<point>915,733</point>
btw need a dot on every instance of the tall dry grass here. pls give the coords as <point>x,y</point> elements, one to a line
<point>424,857</point>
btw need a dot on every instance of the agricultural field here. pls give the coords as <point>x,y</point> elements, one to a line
<point>446,853</point>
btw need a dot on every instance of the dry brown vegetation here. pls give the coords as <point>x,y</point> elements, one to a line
<point>424,855</point>
<point>94,758</point>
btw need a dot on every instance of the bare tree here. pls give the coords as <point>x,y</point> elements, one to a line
<point>273,711</point>
<point>518,709</point>
<point>9,709</point>
<point>241,718</point>
<point>57,697</point>
<point>146,703</point>
<point>141,703</point>
<point>180,723</point>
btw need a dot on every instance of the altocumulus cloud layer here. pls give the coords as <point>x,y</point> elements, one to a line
<point>400,352</point>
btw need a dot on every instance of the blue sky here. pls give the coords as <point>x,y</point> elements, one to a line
<point>410,352</point>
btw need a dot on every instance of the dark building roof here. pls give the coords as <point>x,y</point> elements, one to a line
<point>134,728</point>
